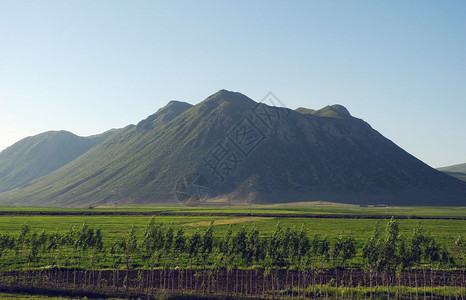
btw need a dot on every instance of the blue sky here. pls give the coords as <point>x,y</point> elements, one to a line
<point>88,66</point>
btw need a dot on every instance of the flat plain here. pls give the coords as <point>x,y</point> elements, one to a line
<point>106,249</point>
<point>264,217</point>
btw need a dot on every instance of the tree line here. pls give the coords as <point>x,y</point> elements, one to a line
<point>168,253</point>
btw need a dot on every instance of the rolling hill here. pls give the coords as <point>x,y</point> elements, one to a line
<point>245,151</point>
<point>457,171</point>
<point>39,155</point>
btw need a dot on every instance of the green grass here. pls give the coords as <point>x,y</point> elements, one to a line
<point>378,292</point>
<point>290,208</point>
<point>445,231</point>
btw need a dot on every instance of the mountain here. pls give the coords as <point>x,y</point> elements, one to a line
<point>163,115</point>
<point>457,171</point>
<point>35,156</point>
<point>332,111</point>
<point>244,151</point>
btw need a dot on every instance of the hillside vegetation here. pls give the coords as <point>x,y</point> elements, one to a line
<point>246,152</point>
<point>39,155</point>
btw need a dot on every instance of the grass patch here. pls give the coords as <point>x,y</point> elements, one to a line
<point>227,221</point>
<point>315,207</point>
<point>377,292</point>
<point>445,231</point>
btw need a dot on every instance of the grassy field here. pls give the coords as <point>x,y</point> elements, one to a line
<point>291,208</point>
<point>116,227</point>
<point>446,231</point>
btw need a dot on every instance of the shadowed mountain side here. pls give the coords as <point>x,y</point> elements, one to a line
<point>247,152</point>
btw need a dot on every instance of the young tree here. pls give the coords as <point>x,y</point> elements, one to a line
<point>226,250</point>
<point>225,244</point>
<point>152,244</point>
<point>240,253</point>
<point>416,251</point>
<point>389,258</point>
<point>168,253</point>
<point>129,246</point>
<point>239,245</point>
<point>254,252</point>
<point>371,255</point>
<point>54,242</point>
<point>275,244</point>
<point>7,242</point>
<point>348,252</point>
<point>208,239</point>
<point>207,246</point>
<point>460,253</point>
<point>115,252</point>
<point>323,255</point>
<point>337,254</point>
<point>153,238</point>
<point>194,246</point>
<point>179,247</point>
<point>97,248</point>
<point>254,247</point>
<point>22,239</point>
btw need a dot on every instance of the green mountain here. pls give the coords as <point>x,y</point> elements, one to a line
<point>332,111</point>
<point>39,155</point>
<point>457,171</point>
<point>245,151</point>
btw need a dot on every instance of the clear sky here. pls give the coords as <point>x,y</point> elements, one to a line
<point>88,66</point>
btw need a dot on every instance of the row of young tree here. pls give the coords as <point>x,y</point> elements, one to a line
<point>168,248</point>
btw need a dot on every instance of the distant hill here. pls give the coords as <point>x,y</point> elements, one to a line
<point>35,156</point>
<point>457,171</point>
<point>246,151</point>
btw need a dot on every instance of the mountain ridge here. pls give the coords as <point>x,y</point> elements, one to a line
<point>35,156</point>
<point>287,156</point>
<point>163,115</point>
<point>331,111</point>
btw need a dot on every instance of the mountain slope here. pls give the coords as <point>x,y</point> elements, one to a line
<point>123,160</point>
<point>457,171</point>
<point>163,115</point>
<point>247,151</point>
<point>331,111</point>
<point>35,156</point>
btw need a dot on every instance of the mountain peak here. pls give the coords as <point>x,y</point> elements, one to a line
<point>41,154</point>
<point>229,96</point>
<point>174,106</point>
<point>165,114</point>
<point>330,111</point>
<point>223,99</point>
<point>334,111</point>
